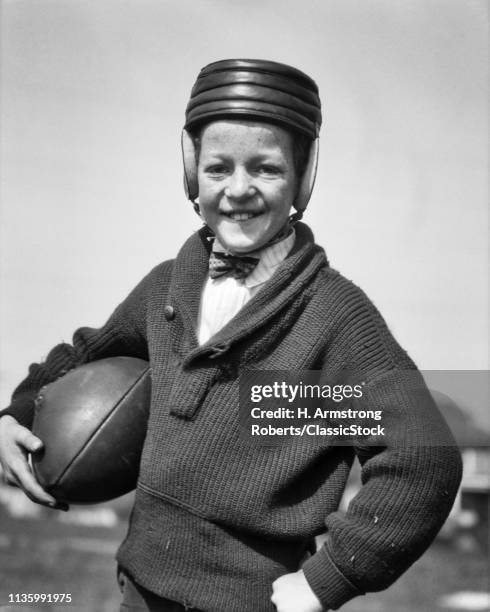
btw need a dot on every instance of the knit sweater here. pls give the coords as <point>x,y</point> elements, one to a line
<point>217,520</point>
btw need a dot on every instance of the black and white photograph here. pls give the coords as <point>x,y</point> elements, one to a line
<point>244,306</point>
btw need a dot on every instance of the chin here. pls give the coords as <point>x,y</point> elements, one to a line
<point>241,243</point>
<point>240,247</point>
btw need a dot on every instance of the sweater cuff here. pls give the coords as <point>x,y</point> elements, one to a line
<point>22,409</point>
<point>331,587</point>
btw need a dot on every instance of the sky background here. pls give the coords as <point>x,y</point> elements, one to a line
<point>93,96</point>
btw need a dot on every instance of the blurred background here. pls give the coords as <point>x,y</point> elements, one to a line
<point>93,95</point>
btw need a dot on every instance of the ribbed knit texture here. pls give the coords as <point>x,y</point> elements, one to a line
<point>216,519</point>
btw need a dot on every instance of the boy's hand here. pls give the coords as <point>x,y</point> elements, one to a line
<point>292,593</point>
<point>16,442</point>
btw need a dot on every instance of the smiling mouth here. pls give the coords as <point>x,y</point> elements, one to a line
<point>243,216</point>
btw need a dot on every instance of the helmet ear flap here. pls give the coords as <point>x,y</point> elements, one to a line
<point>308,178</point>
<point>189,158</point>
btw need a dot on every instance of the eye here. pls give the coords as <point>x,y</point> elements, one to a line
<point>216,170</point>
<point>269,170</point>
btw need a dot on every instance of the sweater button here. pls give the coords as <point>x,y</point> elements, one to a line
<point>169,312</point>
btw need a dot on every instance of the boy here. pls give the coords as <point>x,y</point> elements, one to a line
<point>219,524</point>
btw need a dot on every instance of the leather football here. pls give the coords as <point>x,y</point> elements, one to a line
<point>93,423</point>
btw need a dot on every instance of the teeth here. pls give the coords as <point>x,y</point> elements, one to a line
<point>241,216</point>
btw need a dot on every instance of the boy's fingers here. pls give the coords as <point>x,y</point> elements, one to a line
<point>57,505</point>
<point>10,479</point>
<point>26,481</point>
<point>17,442</point>
<point>29,441</point>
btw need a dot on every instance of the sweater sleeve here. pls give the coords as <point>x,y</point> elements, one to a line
<point>410,474</point>
<point>124,334</point>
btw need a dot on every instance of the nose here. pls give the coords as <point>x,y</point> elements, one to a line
<point>240,185</point>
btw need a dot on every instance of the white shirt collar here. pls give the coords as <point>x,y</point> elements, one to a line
<point>270,258</point>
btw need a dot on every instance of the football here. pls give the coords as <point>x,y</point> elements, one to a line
<point>92,422</point>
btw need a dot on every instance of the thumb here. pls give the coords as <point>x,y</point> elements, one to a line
<point>35,444</point>
<point>30,442</point>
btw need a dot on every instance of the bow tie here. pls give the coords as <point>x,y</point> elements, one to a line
<point>237,266</point>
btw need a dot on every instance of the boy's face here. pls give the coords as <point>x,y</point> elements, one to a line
<point>247,182</point>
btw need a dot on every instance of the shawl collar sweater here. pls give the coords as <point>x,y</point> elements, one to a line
<point>216,520</point>
<point>248,335</point>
